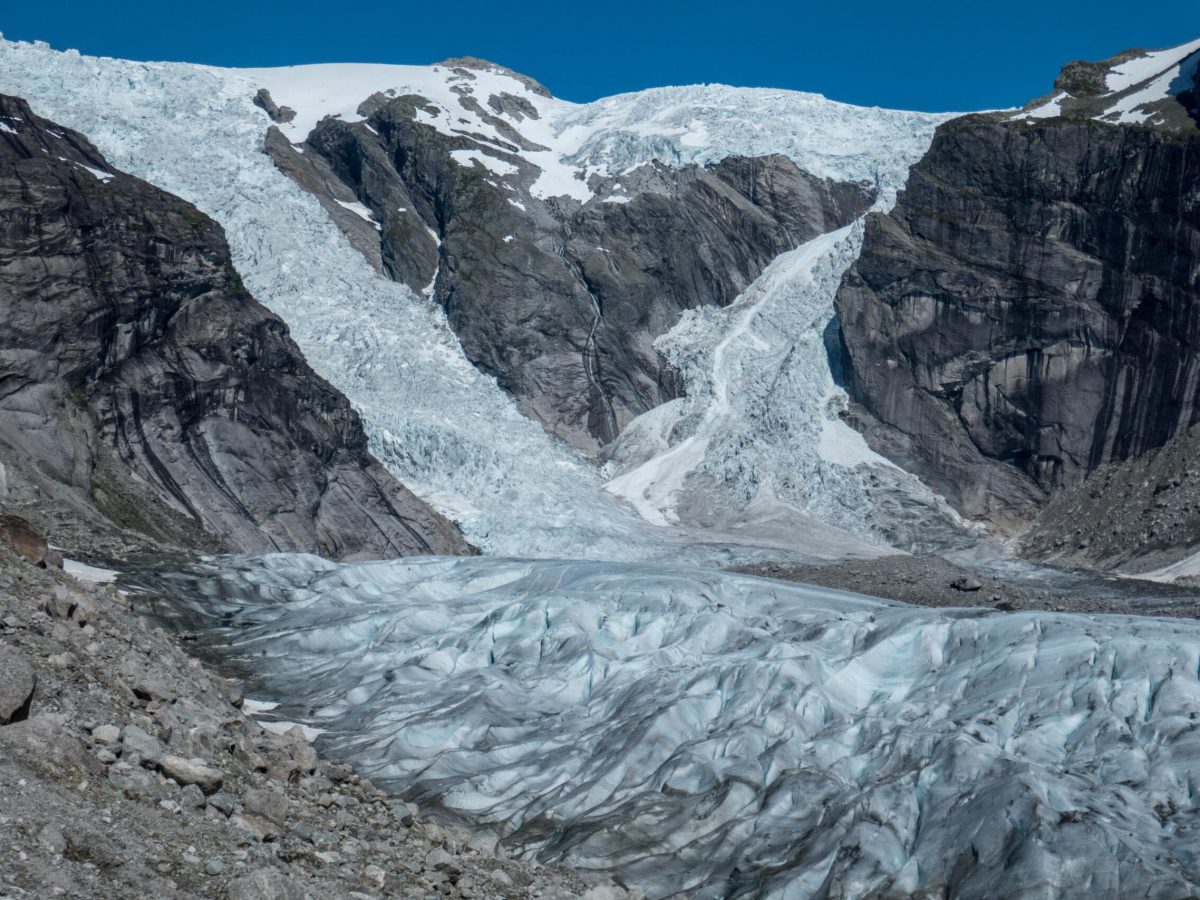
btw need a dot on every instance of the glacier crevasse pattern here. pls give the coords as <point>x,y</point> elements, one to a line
<point>732,736</point>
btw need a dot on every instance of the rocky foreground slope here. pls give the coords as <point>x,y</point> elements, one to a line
<point>1030,309</point>
<point>128,769</point>
<point>146,395</point>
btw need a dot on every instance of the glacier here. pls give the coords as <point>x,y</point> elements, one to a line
<point>439,425</point>
<point>725,736</point>
<point>757,445</point>
<point>693,731</point>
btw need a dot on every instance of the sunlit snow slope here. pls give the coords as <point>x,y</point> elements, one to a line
<point>1134,88</point>
<point>731,736</point>
<point>443,428</point>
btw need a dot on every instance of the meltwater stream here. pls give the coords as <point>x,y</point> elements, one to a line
<point>713,735</point>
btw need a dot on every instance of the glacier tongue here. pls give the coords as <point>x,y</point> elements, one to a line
<point>730,736</point>
<point>442,427</point>
<point>756,444</point>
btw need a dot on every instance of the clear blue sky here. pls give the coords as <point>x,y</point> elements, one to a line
<point>917,55</point>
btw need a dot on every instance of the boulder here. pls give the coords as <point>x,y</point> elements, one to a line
<point>266,804</point>
<point>192,771</point>
<point>107,734</point>
<point>136,740</point>
<point>17,682</point>
<point>48,748</point>
<point>24,539</point>
<point>264,884</point>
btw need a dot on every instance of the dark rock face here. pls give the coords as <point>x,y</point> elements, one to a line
<point>138,377</point>
<point>1030,309</point>
<point>559,300</point>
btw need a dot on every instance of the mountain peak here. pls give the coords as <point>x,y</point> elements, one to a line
<point>484,65</point>
<point>1135,87</point>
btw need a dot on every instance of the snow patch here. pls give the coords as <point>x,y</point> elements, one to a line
<point>93,574</point>
<point>1135,71</point>
<point>358,209</point>
<point>468,158</point>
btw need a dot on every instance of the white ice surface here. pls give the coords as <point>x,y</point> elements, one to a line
<point>443,428</point>
<point>757,440</point>
<point>676,724</point>
<point>359,210</point>
<point>84,572</point>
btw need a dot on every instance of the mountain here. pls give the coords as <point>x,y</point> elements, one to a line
<point>147,395</point>
<point>556,280</point>
<point>1028,311</point>
<point>622,345</point>
<point>452,432</point>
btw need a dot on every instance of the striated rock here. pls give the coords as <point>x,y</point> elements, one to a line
<point>17,683</point>
<point>1029,310</point>
<point>142,377</point>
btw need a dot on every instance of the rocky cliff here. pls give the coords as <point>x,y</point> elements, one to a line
<point>144,392</point>
<point>1030,309</point>
<point>559,297</point>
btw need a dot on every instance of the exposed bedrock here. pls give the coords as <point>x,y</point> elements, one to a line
<point>1030,309</point>
<point>559,300</point>
<point>142,385</point>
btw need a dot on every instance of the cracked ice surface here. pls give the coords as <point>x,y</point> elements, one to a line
<point>706,123</point>
<point>443,428</point>
<point>756,441</point>
<point>732,736</point>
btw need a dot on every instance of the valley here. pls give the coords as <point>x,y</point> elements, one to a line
<point>705,491</point>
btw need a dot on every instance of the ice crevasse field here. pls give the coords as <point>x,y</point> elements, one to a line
<point>692,730</point>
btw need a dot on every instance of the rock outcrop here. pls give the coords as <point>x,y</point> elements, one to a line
<point>145,389</point>
<point>559,299</point>
<point>1030,309</point>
